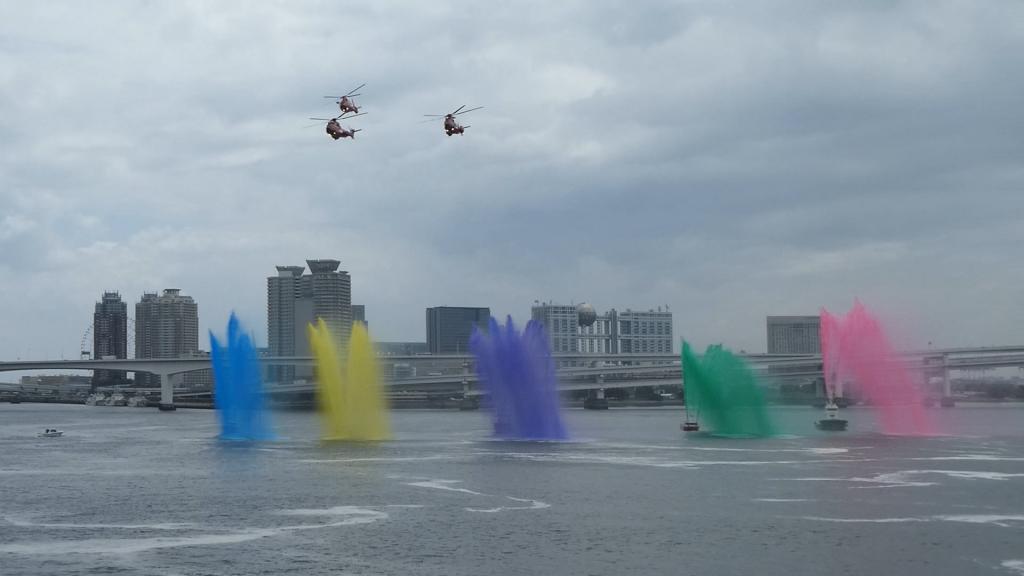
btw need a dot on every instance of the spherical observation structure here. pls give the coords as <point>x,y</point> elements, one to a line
<point>587,314</point>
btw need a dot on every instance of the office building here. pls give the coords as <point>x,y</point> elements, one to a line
<point>449,328</point>
<point>614,332</point>
<point>647,332</point>
<point>166,326</point>
<point>295,300</point>
<point>794,334</point>
<point>561,323</point>
<point>359,315</point>
<point>110,337</point>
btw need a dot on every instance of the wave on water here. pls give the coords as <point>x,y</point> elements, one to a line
<point>974,458</point>
<point>353,512</point>
<point>1016,565</point>
<point>534,505</point>
<point>648,461</point>
<point>902,478</point>
<point>1002,520</point>
<point>126,546</point>
<point>84,471</point>
<point>865,520</point>
<point>337,516</point>
<point>384,459</point>
<point>439,484</point>
<point>24,522</point>
<point>450,485</point>
<point>820,451</point>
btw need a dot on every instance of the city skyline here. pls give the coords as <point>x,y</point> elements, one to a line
<point>262,336</point>
<point>731,162</point>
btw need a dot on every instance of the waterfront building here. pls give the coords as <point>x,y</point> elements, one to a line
<point>614,332</point>
<point>295,300</point>
<point>794,334</point>
<point>166,326</point>
<point>401,348</point>
<point>642,332</point>
<point>110,337</point>
<point>449,328</point>
<point>561,322</point>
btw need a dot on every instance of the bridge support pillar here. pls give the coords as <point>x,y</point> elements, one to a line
<point>467,402</point>
<point>947,390</point>
<point>166,393</point>
<point>597,401</point>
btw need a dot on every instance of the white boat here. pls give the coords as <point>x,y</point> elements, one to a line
<point>96,399</point>
<point>831,422</point>
<point>51,433</point>
<point>137,401</point>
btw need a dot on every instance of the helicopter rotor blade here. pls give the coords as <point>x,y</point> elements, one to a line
<point>344,117</point>
<point>355,89</point>
<point>457,109</point>
<point>323,119</point>
<point>334,97</point>
<point>470,110</point>
<point>352,95</point>
<point>436,115</point>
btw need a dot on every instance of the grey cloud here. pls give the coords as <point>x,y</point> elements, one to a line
<point>731,160</point>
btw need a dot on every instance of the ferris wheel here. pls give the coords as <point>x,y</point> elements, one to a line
<point>86,345</point>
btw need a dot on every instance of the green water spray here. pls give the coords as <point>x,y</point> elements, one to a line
<point>722,391</point>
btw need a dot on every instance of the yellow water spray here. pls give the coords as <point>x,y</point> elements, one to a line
<point>350,396</point>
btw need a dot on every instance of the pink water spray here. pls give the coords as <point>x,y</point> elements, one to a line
<point>855,349</point>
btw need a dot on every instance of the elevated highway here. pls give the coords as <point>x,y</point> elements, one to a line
<point>576,371</point>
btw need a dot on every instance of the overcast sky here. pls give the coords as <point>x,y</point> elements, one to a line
<point>728,159</point>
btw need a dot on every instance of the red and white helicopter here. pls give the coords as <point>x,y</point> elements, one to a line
<point>451,126</point>
<point>336,130</point>
<point>346,102</point>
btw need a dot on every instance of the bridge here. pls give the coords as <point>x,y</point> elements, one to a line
<point>453,373</point>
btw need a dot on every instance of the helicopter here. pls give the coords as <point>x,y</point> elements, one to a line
<point>335,129</point>
<point>345,103</point>
<point>450,125</point>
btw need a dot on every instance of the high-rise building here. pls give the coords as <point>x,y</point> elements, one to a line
<point>794,334</point>
<point>629,332</point>
<point>166,326</point>
<point>449,328</point>
<point>110,337</point>
<point>359,315</point>
<point>295,300</point>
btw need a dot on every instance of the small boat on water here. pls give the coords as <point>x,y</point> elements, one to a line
<point>831,422</point>
<point>51,433</point>
<point>690,422</point>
